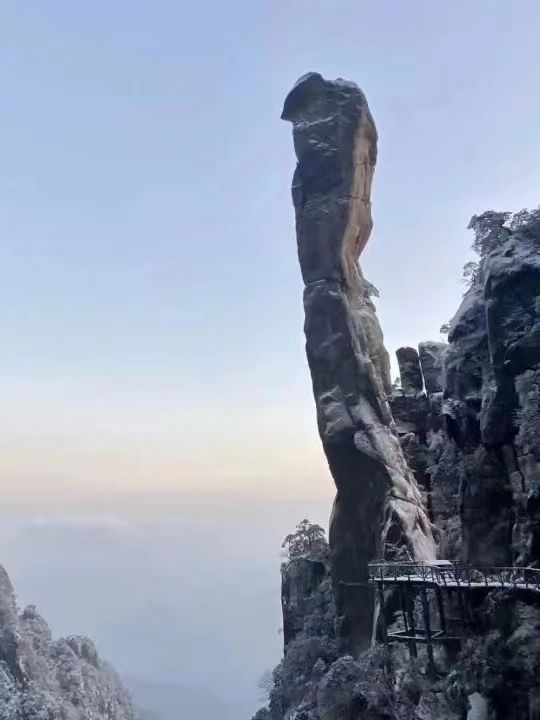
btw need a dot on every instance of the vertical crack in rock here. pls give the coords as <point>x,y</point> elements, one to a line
<point>378,508</point>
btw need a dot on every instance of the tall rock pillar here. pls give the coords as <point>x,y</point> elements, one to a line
<point>378,508</point>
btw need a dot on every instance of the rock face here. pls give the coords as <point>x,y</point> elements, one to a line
<point>305,588</point>
<point>378,507</point>
<point>431,355</point>
<point>410,373</point>
<point>46,679</point>
<point>491,409</point>
<point>473,439</point>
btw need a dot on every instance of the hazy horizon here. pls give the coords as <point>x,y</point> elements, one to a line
<point>133,573</point>
<point>158,435</point>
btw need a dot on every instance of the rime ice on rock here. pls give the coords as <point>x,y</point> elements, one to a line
<point>46,679</point>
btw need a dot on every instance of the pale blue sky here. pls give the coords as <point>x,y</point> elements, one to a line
<point>150,289</point>
<point>150,299</point>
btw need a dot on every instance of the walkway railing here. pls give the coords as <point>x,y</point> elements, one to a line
<point>453,575</point>
<point>412,581</point>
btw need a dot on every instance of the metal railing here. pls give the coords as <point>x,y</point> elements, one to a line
<point>454,575</point>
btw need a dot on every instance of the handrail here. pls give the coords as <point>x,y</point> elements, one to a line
<point>456,575</point>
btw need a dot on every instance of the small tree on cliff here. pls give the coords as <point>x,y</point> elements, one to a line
<point>308,538</point>
<point>489,228</point>
<point>470,272</point>
<point>445,328</point>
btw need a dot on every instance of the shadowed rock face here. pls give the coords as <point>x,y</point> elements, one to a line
<point>305,590</point>
<point>412,381</point>
<point>475,446</point>
<point>378,508</point>
<point>492,377</point>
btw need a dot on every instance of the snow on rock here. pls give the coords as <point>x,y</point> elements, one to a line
<point>46,679</point>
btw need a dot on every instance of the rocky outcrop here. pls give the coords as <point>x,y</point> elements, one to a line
<point>378,507</point>
<point>46,679</point>
<point>490,390</point>
<point>309,619</point>
<point>431,355</point>
<point>306,590</point>
<point>471,438</point>
<point>410,373</point>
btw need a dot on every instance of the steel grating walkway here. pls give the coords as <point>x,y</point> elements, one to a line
<point>445,574</point>
<point>408,580</point>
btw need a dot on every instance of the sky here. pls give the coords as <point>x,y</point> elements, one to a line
<point>152,371</point>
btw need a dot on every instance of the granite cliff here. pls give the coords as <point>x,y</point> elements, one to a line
<point>46,679</point>
<point>446,465</point>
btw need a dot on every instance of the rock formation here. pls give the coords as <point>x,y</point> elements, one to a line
<point>473,438</point>
<point>412,381</point>
<point>431,355</point>
<point>302,581</point>
<point>378,509</point>
<point>465,421</point>
<point>46,679</point>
